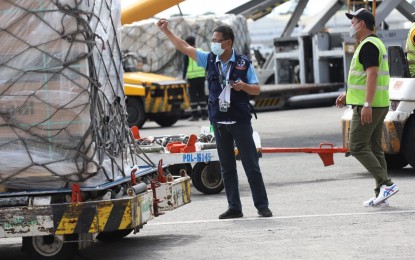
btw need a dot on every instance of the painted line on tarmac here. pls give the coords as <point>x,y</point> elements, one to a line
<point>287,217</point>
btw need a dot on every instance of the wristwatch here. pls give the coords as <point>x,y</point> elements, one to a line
<point>366,104</point>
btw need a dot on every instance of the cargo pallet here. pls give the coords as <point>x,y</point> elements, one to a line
<point>53,229</point>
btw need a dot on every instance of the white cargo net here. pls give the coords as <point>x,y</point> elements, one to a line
<point>62,109</point>
<point>157,54</point>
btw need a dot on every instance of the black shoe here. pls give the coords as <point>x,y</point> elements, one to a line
<point>204,118</point>
<point>265,212</point>
<point>193,118</point>
<point>231,213</point>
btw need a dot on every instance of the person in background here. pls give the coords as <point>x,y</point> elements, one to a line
<point>368,94</point>
<point>195,76</point>
<point>410,49</point>
<point>231,80</point>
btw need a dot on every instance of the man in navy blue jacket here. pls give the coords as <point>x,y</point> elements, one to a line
<point>231,80</point>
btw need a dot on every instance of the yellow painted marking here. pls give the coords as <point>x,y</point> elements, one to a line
<point>134,90</point>
<point>184,192</point>
<point>165,104</point>
<point>390,140</point>
<point>161,104</point>
<point>126,221</point>
<point>69,219</point>
<point>188,191</point>
<point>149,100</point>
<point>104,211</point>
<point>257,103</point>
<point>94,225</point>
<point>156,105</point>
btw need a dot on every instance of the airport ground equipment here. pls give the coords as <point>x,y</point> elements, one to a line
<point>311,60</point>
<point>197,156</point>
<point>194,155</point>
<point>55,224</point>
<point>150,96</point>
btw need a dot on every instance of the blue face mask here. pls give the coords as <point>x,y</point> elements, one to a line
<point>216,48</point>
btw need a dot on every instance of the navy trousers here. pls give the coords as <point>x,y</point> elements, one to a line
<point>227,135</point>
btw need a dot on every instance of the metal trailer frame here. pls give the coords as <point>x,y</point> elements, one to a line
<point>205,174</point>
<point>198,160</point>
<point>56,230</point>
<point>203,166</point>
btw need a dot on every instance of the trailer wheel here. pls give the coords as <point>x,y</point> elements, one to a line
<point>165,120</point>
<point>408,141</point>
<point>395,161</point>
<point>207,178</point>
<point>49,247</point>
<point>135,112</point>
<point>115,235</point>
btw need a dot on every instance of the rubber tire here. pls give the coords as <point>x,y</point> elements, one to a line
<point>165,120</point>
<point>408,141</point>
<point>207,178</point>
<point>136,115</point>
<point>66,251</point>
<point>395,161</point>
<point>115,235</point>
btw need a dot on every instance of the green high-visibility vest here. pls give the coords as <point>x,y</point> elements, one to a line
<point>356,82</point>
<point>410,50</point>
<point>194,71</point>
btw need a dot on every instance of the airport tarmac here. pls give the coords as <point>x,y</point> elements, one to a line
<point>318,212</point>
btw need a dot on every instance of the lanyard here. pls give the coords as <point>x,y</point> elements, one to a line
<point>228,66</point>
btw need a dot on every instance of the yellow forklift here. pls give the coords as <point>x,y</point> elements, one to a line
<point>151,96</point>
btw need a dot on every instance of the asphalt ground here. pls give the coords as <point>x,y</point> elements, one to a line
<point>318,212</point>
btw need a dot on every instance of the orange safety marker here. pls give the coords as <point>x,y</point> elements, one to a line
<point>133,177</point>
<point>154,185</point>
<point>326,154</point>
<point>160,175</point>
<point>136,132</point>
<point>190,146</point>
<point>76,193</point>
<point>174,147</point>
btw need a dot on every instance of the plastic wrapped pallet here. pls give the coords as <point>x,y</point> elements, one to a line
<point>62,110</point>
<point>156,53</point>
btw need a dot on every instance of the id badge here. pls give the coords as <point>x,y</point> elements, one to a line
<point>223,106</point>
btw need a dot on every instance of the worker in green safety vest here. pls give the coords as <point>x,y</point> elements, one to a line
<point>368,94</point>
<point>410,49</point>
<point>195,76</point>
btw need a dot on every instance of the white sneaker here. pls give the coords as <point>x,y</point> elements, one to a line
<point>386,192</point>
<point>369,203</point>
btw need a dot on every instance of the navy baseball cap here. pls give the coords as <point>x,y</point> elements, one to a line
<point>363,14</point>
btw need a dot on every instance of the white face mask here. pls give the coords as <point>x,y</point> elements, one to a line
<point>216,48</point>
<point>353,31</point>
